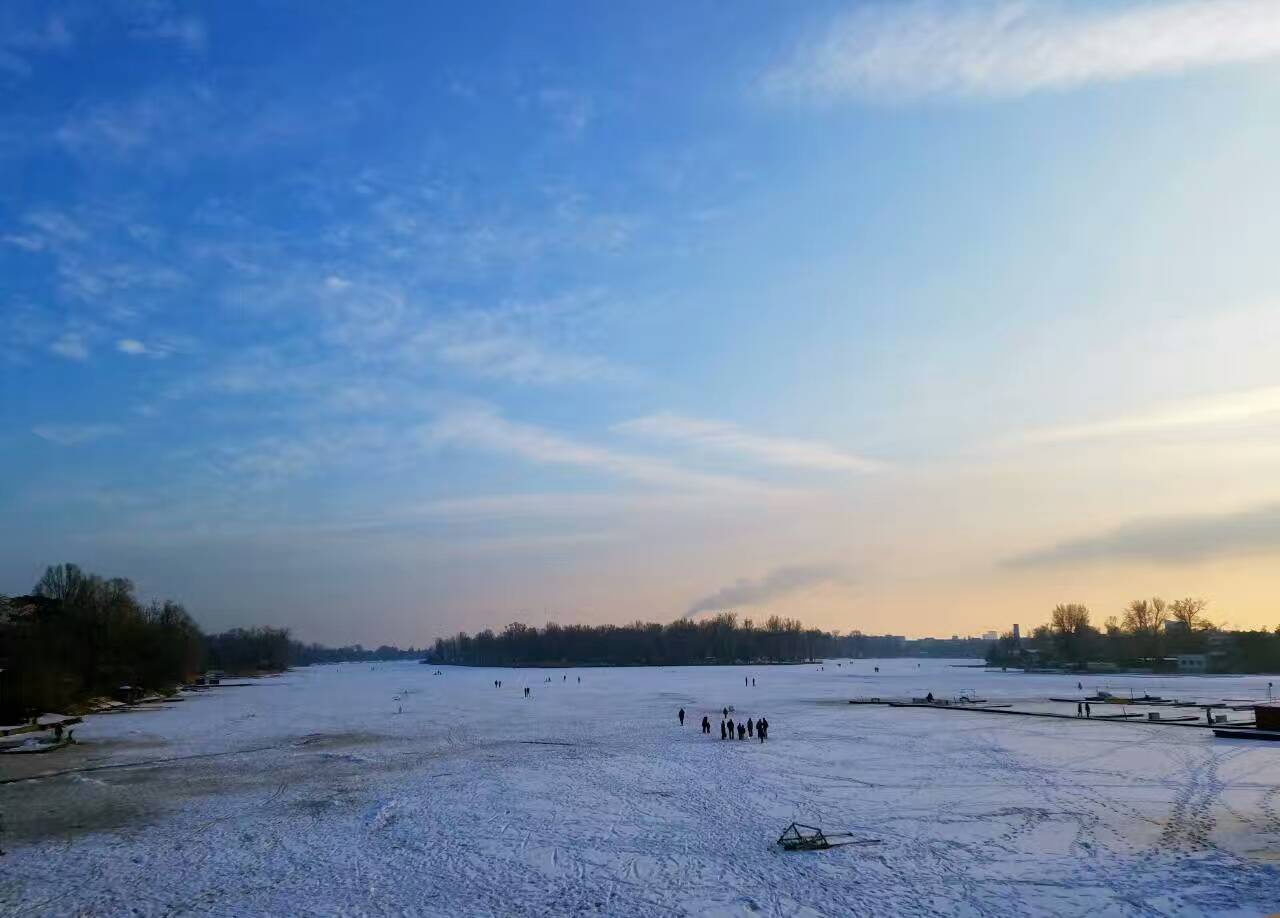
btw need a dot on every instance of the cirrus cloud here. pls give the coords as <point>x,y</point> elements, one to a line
<point>724,437</point>
<point>1014,47</point>
<point>75,434</point>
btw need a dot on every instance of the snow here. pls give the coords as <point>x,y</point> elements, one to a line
<point>309,794</point>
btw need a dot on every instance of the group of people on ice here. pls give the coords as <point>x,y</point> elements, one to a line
<point>497,683</point>
<point>749,728</point>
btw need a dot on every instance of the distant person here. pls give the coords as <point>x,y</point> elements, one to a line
<point>706,724</point>
<point>1080,686</point>
<point>725,713</point>
<point>929,698</point>
<point>1079,709</point>
<point>742,731</point>
<point>731,728</point>
<point>750,727</point>
<point>681,716</point>
<point>762,729</point>
<point>753,681</point>
<point>745,681</point>
<point>1088,709</point>
<point>877,669</point>
<point>579,680</point>
<point>723,734</point>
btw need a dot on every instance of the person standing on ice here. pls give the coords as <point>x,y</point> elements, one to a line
<point>1079,709</point>
<point>706,724</point>
<point>681,716</point>
<point>753,681</point>
<point>725,713</point>
<point>750,726</point>
<point>762,728</point>
<point>1088,710</point>
<point>742,731</point>
<point>730,728</point>
<point>722,731</point>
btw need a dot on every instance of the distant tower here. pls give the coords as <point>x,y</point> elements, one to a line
<point>1017,636</point>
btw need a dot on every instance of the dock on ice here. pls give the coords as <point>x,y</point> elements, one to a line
<point>1165,713</point>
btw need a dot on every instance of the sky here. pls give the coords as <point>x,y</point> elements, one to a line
<point>382,321</point>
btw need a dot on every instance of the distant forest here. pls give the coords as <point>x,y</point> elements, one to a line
<point>722,638</point>
<point>79,636</point>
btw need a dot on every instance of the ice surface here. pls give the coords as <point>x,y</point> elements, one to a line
<point>309,794</point>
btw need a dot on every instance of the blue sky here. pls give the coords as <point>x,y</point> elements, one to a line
<point>386,320</point>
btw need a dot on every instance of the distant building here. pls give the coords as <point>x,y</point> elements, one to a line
<point>1017,634</point>
<point>1175,627</point>
<point>1193,662</point>
<point>991,636</point>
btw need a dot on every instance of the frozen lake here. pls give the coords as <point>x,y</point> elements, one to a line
<point>312,794</point>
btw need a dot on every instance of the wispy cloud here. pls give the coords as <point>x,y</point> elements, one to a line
<point>56,226</point>
<point>75,434</point>
<point>19,43</point>
<point>731,439</point>
<point>777,583</point>
<point>158,348</point>
<point>28,242</point>
<point>1013,47</point>
<point>571,111</point>
<point>485,429</point>
<point>71,345</point>
<point>522,360</point>
<point>519,342</point>
<point>1249,405</point>
<point>1170,540</point>
<point>564,505</point>
<point>149,121</point>
<point>187,31</point>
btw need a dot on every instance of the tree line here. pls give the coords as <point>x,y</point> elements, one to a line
<point>1148,633</point>
<point>78,635</point>
<point>720,638</point>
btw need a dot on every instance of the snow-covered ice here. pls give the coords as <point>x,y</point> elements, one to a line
<point>309,794</point>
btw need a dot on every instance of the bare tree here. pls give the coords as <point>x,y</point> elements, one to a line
<point>1144,619</point>
<point>1070,625</point>
<point>1069,618</point>
<point>1144,616</point>
<point>1190,611</point>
